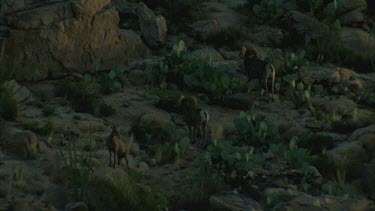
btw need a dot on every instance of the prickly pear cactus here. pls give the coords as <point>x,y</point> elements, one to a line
<point>179,48</point>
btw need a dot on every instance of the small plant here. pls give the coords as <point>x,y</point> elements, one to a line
<point>294,156</point>
<point>109,82</point>
<point>333,188</point>
<point>49,110</point>
<point>254,132</point>
<point>8,105</point>
<point>192,74</point>
<point>164,153</point>
<point>83,94</point>
<point>79,166</point>
<point>270,11</point>
<point>106,110</point>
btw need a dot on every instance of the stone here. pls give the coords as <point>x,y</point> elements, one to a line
<point>153,27</point>
<point>20,93</point>
<point>22,144</point>
<point>107,189</point>
<point>53,39</point>
<point>350,5</point>
<point>324,202</point>
<point>76,206</point>
<point>137,77</point>
<point>368,178</point>
<point>353,17</point>
<point>357,42</point>
<point>305,24</point>
<point>230,201</point>
<point>204,29</point>
<point>143,167</point>
<point>135,45</point>
<point>207,54</point>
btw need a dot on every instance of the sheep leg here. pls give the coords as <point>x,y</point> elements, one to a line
<point>194,133</point>
<point>266,83</point>
<point>204,126</point>
<point>114,159</point>
<point>273,82</point>
<point>119,160</point>
<point>126,159</point>
<point>190,134</point>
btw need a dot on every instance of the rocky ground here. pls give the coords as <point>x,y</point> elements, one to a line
<point>306,148</point>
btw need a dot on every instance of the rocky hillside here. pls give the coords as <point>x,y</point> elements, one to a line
<point>285,88</point>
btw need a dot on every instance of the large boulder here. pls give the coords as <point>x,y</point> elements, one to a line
<point>233,202</point>
<point>136,47</point>
<point>207,54</point>
<point>204,29</point>
<point>359,43</point>
<point>22,144</point>
<point>108,189</point>
<point>352,12</point>
<point>153,27</point>
<point>55,38</point>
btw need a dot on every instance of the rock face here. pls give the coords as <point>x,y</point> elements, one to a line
<point>154,28</point>
<point>21,144</point>
<point>66,36</point>
<point>325,202</point>
<point>135,47</point>
<point>108,188</point>
<point>358,42</point>
<point>20,93</point>
<point>233,202</point>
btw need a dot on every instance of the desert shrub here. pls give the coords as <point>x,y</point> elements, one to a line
<point>193,74</point>
<point>8,105</point>
<point>83,94</point>
<point>254,132</point>
<point>106,110</point>
<point>49,110</point>
<point>79,167</point>
<point>293,155</point>
<point>110,82</point>
<point>178,12</point>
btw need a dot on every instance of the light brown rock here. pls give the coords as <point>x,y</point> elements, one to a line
<point>54,39</point>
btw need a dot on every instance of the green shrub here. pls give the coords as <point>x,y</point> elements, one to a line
<point>333,188</point>
<point>270,11</point>
<point>294,156</point>
<point>254,132</point>
<point>8,105</point>
<point>192,74</point>
<point>110,82</point>
<point>83,94</point>
<point>49,110</point>
<point>80,168</point>
<point>106,110</point>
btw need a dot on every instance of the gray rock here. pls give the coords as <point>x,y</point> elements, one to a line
<point>20,93</point>
<point>50,37</point>
<point>136,48</point>
<point>154,28</point>
<point>106,189</point>
<point>204,29</point>
<point>76,206</point>
<point>23,144</point>
<point>207,54</point>
<point>229,201</point>
<point>325,202</point>
<point>358,42</point>
<point>137,77</point>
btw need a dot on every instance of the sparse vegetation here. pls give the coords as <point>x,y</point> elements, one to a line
<point>8,105</point>
<point>79,166</point>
